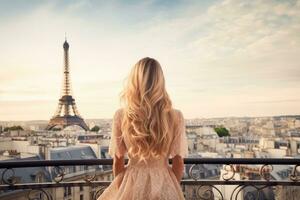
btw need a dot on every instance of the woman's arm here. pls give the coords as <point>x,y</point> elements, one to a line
<point>177,167</point>
<point>118,165</point>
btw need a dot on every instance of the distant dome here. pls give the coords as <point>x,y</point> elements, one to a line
<point>66,45</point>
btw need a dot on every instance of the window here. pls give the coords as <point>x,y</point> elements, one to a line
<point>81,197</point>
<point>81,167</point>
<point>81,188</point>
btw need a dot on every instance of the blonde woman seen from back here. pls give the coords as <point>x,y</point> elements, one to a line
<point>150,132</point>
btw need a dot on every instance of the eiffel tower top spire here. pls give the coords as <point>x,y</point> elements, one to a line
<point>66,90</point>
<point>66,45</point>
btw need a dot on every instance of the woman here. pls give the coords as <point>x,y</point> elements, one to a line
<point>150,131</point>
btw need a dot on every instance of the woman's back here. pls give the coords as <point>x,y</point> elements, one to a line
<point>178,145</point>
<point>149,180</point>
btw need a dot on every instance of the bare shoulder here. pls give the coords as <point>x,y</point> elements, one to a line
<point>178,113</point>
<point>118,114</point>
<point>178,116</point>
<point>119,111</point>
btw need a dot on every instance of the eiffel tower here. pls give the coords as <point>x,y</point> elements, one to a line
<point>67,113</point>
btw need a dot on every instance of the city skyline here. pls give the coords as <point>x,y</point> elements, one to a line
<point>220,58</point>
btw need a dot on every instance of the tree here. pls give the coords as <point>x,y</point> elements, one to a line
<point>95,128</point>
<point>56,129</point>
<point>13,128</point>
<point>16,128</point>
<point>222,131</point>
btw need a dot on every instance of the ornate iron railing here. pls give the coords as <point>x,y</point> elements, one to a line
<point>232,178</point>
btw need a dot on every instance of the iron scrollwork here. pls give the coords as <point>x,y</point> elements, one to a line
<point>98,192</point>
<point>8,176</point>
<point>89,178</point>
<point>204,192</point>
<point>230,172</point>
<point>248,195</point>
<point>60,174</point>
<point>265,171</point>
<point>39,194</point>
<point>294,176</point>
<point>194,172</point>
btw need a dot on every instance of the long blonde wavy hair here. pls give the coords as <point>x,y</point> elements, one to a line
<point>148,114</point>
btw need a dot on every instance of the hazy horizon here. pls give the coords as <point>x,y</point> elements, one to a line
<point>110,118</point>
<point>221,58</point>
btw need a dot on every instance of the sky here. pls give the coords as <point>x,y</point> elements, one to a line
<point>220,58</point>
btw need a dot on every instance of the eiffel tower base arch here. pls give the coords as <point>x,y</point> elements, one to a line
<point>66,121</point>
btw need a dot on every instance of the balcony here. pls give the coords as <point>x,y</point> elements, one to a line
<point>237,178</point>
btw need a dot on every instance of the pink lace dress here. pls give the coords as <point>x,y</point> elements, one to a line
<point>152,181</point>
